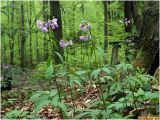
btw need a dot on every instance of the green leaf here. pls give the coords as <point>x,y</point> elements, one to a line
<point>75,81</point>
<point>107,70</point>
<point>35,97</point>
<point>49,71</point>
<point>41,104</point>
<point>106,114</point>
<point>116,87</point>
<point>53,93</point>
<point>95,73</point>
<point>116,105</point>
<point>108,77</point>
<point>81,115</point>
<point>95,113</point>
<point>140,91</point>
<point>102,80</point>
<point>60,57</point>
<point>81,72</point>
<point>13,114</point>
<point>62,106</point>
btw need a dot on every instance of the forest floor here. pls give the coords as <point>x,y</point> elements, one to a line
<point>18,99</point>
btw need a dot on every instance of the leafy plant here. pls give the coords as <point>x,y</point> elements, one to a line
<point>14,114</point>
<point>43,98</point>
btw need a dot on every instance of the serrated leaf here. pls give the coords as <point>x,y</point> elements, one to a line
<point>140,91</point>
<point>81,115</point>
<point>62,106</point>
<point>81,72</point>
<point>95,113</point>
<point>13,114</point>
<point>107,70</point>
<point>106,114</point>
<point>41,104</point>
<point>35,97</point>
<point>95,73</point>
<point>53,93</point>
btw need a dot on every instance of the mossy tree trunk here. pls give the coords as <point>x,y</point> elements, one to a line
<point>149,35</point>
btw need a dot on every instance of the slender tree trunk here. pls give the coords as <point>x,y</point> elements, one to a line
<point>109,13</point>
<point>37,49</point>
<point>45,42</point>
<point>55,11</point>
<point>149,35</point>
<point>105,31</point>
<point>22,39</point>
<point>30,37</point>
<point>9,35</point>
<point>12,35</point>
<point>82,8</point>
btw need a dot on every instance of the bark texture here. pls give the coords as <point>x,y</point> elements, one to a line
<point>149,36</point>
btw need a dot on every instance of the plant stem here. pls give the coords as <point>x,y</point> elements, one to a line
<point>124,97</point>
<point>101,95</point>
<point>59,94</point>
<point>72,98</point>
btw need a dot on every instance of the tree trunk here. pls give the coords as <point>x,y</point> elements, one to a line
<point>12,36</point>
<point>45,42</point>
<point>22,39</point>
<point>105,31</point>
<point>37,49</point>
<point>149,35</point>
<point>128,15</point>
<point>30,37</point>
<point>109,12</point>
<point>136,17</point>
<point>55,11</point>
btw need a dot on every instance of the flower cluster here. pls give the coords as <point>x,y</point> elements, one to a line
<point>84,26</point>
<point>44,26</point>
<point>127,21</point>
<point>63,44</point>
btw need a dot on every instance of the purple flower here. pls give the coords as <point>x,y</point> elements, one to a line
<point>53,23</point>
<point>83,38</point>
<point>42,26</point>
<point>84,26</point>
<point>39,24</point>
<point>62,43</point>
